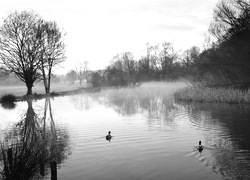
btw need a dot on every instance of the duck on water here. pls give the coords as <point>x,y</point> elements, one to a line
<point>108,137</point>
<point>200,147</point>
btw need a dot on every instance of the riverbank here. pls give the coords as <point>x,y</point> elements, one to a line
<point>20,90</point>
<point>38,91</point>
<point>205,94</point>
<point>36,96</point>
<point>64,89</point>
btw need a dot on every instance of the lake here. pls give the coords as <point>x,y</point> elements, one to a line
<point>153,137</point>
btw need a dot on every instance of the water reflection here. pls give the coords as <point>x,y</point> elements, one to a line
<point>229,121</point>
<point>226,134</point>
<point>32,144</point>
<point>222,128</point>
<point>171,145</point>
<point>81,101</point>
<point>154,105</point>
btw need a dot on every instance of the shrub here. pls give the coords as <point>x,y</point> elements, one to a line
<point>8,98</point>
<point>8,101</point>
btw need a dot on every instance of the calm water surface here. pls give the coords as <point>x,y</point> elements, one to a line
<point>154,137</point>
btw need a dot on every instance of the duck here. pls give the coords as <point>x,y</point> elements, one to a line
<point>200,147</point>
<point>108,137</point>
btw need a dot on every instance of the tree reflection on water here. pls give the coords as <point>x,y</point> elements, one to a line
<point>81,101</point>
<point>152,104</point>
<point>227,136</point>
<point>32,144</point>
<point>225,127</point>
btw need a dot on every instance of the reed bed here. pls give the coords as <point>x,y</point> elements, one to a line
<point>204,94</point>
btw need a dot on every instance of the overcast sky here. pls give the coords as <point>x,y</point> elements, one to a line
<point>97,30</point>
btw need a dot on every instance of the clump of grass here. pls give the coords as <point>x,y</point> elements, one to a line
<point>8,98</point>
<point>8,101</point>
<point>205,94</point>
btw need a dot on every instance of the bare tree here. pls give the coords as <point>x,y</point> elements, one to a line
<point>130,67</point>
<point>19,46</point>
<point>52,51</point>
<point>79,69</point>
<point>71,76</point>
<point>86,71</point>
<point>30,47</point>
<point>190,56</point>
<point>230,18</point>
<point>82,72</point>
<point>167,58</point>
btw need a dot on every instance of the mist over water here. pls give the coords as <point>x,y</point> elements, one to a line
<point>154,137</point>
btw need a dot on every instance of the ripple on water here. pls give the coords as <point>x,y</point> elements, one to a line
<point>153,144</point>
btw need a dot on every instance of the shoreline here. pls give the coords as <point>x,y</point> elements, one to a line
<point>36,96</point>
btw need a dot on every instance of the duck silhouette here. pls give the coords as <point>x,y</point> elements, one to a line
<point>108,137</point>
<point>200,147</point>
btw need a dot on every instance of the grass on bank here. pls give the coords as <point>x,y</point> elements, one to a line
<point>204,94</point>
<point>38,89</point>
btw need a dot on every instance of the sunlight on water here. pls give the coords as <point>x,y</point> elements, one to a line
<point>153,136</point>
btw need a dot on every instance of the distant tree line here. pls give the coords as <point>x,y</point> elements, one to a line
<point>223,63</point>
<point>160,63</point>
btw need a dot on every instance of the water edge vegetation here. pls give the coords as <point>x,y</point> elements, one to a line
<point>209,94</point>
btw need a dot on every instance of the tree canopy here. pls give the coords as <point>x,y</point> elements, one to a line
<point>226,62</point>
<point>30,45</point>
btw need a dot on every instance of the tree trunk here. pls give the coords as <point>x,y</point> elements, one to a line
<point>45,83</point>
<point>46,80</point>
<point>29,88</point>
<point>47,90</point>
<point>53,170</point>
<point>49,78</point>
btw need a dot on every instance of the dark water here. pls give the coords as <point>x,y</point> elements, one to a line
<point>154,137</point>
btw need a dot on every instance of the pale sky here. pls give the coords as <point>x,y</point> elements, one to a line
<point>97,30</point>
